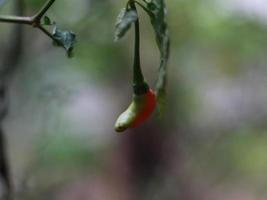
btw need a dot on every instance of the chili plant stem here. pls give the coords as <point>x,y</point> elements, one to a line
<point>44,9</point>
<point>46,32</point>
<point>16,19</point>
<point>144,8</point>
<point>33,20</point>
<point>138,78</point>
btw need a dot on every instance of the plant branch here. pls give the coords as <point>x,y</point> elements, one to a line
<point>139,85</point>
<point>16,19</point>
<point>144,8</point>
<point>43,10</point>
<point>33,21</point>
<point>46,32</point>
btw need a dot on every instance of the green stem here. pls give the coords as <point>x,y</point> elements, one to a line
<point>138,76</point>
<point>139,84</point>
<point>144,8</point>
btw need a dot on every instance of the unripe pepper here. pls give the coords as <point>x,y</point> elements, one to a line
<point>144,99</point>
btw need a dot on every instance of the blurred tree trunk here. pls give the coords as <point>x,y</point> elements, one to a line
<point>9,63</point>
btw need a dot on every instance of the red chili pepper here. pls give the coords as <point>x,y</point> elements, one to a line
<point>148,108</point>
<point>144,99</point>
<point>139,110</point>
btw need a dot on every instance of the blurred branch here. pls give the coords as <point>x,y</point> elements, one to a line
<point>8,66</point>
<point>34,20</point>
<point>4,170</point>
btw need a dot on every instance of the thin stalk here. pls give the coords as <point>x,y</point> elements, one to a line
<point>46,32</point>
<point>44,9</point>
<point>138,78</point>
<point>16,19</point>
<point>144,8</point>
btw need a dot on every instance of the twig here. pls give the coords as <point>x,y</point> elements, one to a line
<point>16,19</point>
<point>46,32</point>
<point>144,8</point>
<point>31,20</point>
<point>43,10</point>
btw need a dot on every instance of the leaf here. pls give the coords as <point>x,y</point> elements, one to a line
<point>157,12</point>
<point>65,39</point>
<point>47,21</point>
<point>124,22</point>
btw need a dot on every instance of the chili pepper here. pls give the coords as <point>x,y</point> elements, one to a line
<point>144,99</point>
<point>139,110</point>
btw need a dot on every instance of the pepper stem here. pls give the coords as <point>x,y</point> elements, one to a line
<point>139,85</point>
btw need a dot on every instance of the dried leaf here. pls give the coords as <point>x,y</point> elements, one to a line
<point>124,22</point>
<point>65,39</point>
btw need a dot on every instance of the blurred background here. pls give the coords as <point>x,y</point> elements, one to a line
<point>212,142</point>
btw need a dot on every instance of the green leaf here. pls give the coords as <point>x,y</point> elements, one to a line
<point>65,39</point>
<point>47,21</point>
<point>157,12</point>
<point>124,22</point>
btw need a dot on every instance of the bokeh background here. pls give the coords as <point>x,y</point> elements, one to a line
<point>212,142</point>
